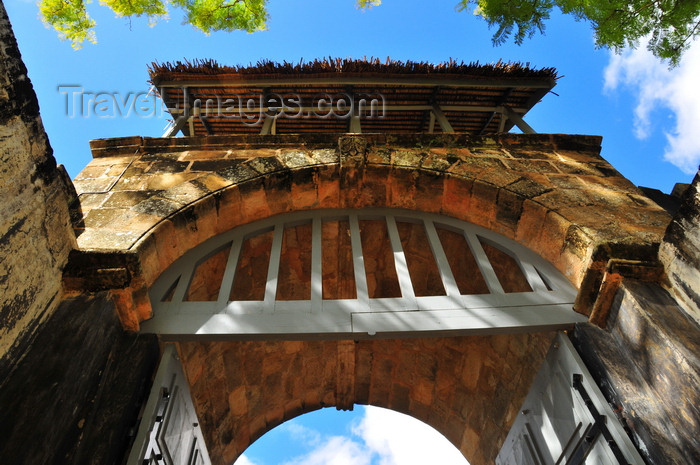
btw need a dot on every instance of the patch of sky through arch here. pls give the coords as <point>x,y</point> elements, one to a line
<point>365,436</point>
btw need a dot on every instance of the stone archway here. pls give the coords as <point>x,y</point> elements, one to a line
<point>469,389</point>
<point>245,383</point>
<point>552,194</point>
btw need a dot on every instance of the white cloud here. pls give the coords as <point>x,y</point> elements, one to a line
<point>380,437</point>
<point>243,460</point>
<point>655,86</point>
<point>402,440</point>
<point>302,434</point>
<point>335,450</point>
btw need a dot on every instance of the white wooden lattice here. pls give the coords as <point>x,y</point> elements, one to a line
<point>547,306</point>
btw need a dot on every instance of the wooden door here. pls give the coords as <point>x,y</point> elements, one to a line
<point>565,420</point>
<point>169,433</point>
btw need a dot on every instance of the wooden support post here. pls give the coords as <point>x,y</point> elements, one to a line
<point>355,127</point>
<point>176,127</point>
<point>444,124</point>
<point>267,125</point>
<point>191,126</point>
<point>431,125</point>
<point>207,127</point>
<point>502,123</point>
<point>518,120</point>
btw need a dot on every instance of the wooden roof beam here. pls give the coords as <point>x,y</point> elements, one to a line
<point>276,82</point>
<point>441,119</point>
<point>175,127</point>
<point>501,101</point>
<point>388,108</point>
<point>518,120</point>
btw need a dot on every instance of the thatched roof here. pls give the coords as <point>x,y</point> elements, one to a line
<point>201,68</point>
<point>413,96</point>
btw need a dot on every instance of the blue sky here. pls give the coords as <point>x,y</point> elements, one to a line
<point>646,114</point>
<point>365,436</point>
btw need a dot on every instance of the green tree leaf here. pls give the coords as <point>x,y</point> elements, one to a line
<point>669,25</point>
<point>72,22</point>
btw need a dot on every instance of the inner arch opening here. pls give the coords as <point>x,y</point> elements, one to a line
<point>367,435</point>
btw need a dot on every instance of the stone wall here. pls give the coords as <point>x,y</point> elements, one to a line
<point>147,201</point>
<point>35,228</point>
<point>680,251</point>
<point>71,380</point>
<point>647,358</point>
<point>76,394</point>
<point>468,388</point>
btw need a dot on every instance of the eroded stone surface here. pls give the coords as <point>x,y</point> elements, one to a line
<point>647,363</point>
<point>35,222</point>
<point>469,389</point>
<point>680,251</point>
<point>554,194</point>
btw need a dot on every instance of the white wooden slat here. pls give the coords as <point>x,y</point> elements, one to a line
<point>244,307</point>
<point>207,308</point>
<point>533,277</point>
<point>273,268</point>
<point>390,304</point>
<point>184,283</point>
<point>399,259</point>
<point>358,262</point>
<point>230,271</point>
<point>163,284</point>
<point>484,264</point>
<point>242,326</point>
<point>448,279</point>
<point>465,321</point>
<point>316,265</point>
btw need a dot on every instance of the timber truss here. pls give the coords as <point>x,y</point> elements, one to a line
<point>350,104</point>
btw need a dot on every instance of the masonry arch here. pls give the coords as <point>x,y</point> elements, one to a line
<point>565,239</point>
<point>467,388</point>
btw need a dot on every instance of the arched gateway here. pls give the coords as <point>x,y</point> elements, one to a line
<point>354,273</point>
<point>293,266</point>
